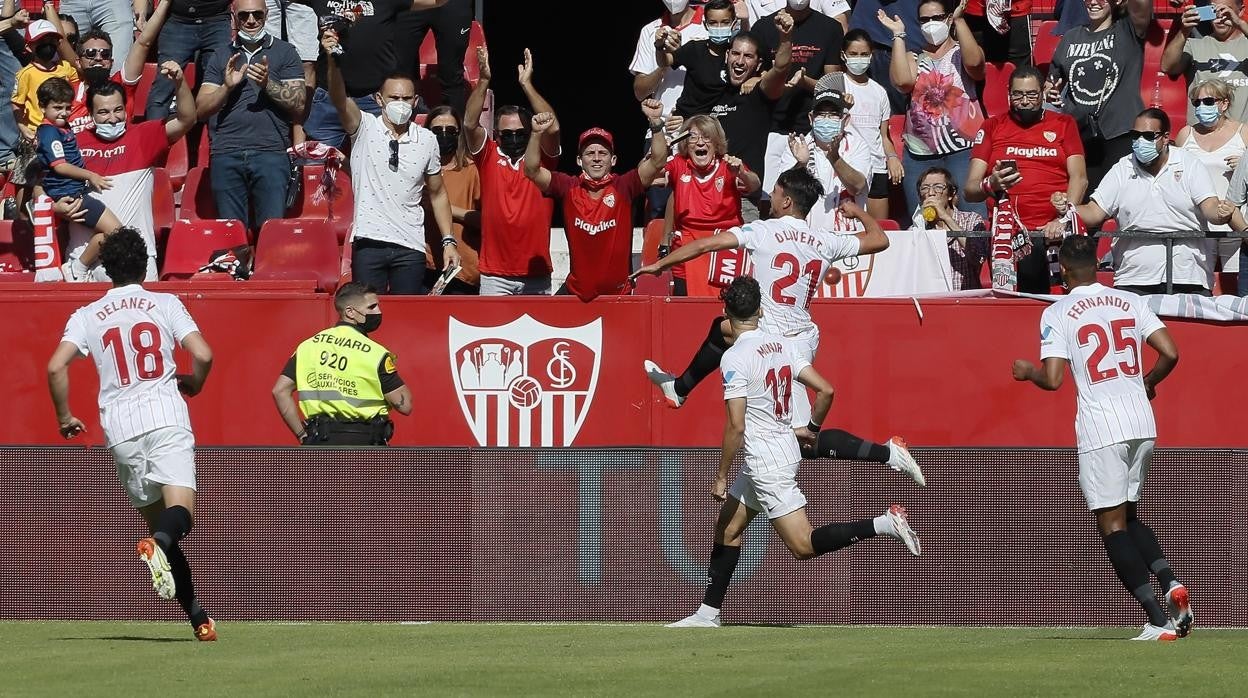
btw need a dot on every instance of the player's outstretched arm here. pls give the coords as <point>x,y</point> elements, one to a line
<point>1048,377</point>
<point>1167,359</point>
<point>58,386</point>
<point>286,407</point>
<point>725,240</point>
<point>734,437</point>
<point>201,363</point>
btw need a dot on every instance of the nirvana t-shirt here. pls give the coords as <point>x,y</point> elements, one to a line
<point>1227,60</point>
<point>705,77</point>
<point>1102,74</point>
<point>368,49</point>
<point>816,43</point>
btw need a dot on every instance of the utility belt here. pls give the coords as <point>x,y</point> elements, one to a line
<point>323,430</point>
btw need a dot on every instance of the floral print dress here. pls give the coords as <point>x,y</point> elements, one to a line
<point>944,113</point>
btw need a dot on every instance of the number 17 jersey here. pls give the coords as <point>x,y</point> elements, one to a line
<point>790,259</point>
<point>1101,332</point>
<point>131,333</point>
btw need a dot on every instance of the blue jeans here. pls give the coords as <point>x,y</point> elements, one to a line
<point>180,41</point>
<point>958,164</point>
<point>247,182</point>
<point>116,17</point>
<point>323,123</point>
<point>9,65</point>
<point>388,268</point>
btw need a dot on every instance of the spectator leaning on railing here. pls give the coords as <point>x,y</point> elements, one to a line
<point>1157,188</point>
<point>1200,50</point>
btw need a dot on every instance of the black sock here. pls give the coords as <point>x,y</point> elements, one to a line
<point>172,526</point>
<point>719,573</point>
<point>1133,573</point>
<point>705,361</point>
<point>842,445</point>
<point>1146,543</point>
<point>185,595</point>
<point>835,536</point>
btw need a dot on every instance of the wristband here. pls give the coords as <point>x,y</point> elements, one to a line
<point>894,156</point>
<point>899,35</point>
<point>814,428</point>
<point>450,241</point>
<point>986,185</point>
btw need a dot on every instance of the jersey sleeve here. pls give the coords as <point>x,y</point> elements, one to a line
<point>51,149</point>
<point>798,363</point>
<point>179,318</point>
<point>750,235</point>
<point>736,379</point>
<point>388,373</point>
<point>1147,321</point>
<point>644,59</point>
<point>1071,141</point>
<point>1199,183</point>
<point>76,333</point>
<point>560,184</point>
<point>844,246</point>
<point>982,149</point>
<point>1052,336</point>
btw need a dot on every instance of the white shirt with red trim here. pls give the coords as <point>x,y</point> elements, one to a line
<point>760,368</point>
<point>129,161</point>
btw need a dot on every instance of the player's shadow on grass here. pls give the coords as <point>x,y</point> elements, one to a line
<point>1083,638</point>
<point>125,638</point>
<point>759,625</point>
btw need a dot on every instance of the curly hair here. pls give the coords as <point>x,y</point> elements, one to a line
<point>742,298</point>
<point>124,256</point>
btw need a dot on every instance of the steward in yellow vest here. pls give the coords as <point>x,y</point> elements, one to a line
<point>346,383</point>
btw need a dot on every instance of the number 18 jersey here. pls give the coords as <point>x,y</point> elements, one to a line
<point>790,259</point>
<point>1101,332</point>
<point>760,368</point>
<point>131,333</point>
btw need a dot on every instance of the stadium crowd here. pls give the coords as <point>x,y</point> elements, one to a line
<point>964,116</point>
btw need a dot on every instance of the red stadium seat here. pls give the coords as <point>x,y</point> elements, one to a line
<point>652,235</point>
<point>889,224</point>
<point>1105,278</point>
<point>163,213</point>
<point>996,86</point>
<point>298,248</point>
<point>1045,45</point>
<point>192,241</point>
<point>138,108</point>
<point>337,209</point>
<point>197,201</point>
<point>1156,88</point>
<point>648,285</point>
<point>177,164</point>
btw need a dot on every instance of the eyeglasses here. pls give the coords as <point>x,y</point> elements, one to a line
<point>1146,135</point>
<point>244,15</point>
<point>394,155</point>
<point>1207,101</point>
<point>1024,94</point>
<point>934,18</point>
<point>104,54</point>
<point>933,189</point>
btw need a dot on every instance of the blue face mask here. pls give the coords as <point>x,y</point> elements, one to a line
<point>826,128</point>
<point>1207,114</point>
<point>1145,150</point>
<point>721,35</point>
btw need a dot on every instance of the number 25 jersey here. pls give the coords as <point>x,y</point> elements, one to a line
<point>1101,332</point>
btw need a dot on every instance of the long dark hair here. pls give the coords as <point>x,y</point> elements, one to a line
<point>461,151</point>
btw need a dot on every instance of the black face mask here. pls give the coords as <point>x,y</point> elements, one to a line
<point>371,322</point>
<point>96,75</point>
<point>1027,117</point>
<point>513,143</point>
<point>45,52</point>
<point>448,140</point>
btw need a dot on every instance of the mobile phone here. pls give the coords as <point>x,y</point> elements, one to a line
<point>1206,13</point>
<point>1008,163</point>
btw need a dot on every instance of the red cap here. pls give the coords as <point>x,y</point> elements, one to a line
<point>596,133</point>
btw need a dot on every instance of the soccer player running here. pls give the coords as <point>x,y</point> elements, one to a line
<point>759,370</point>
<point>790,260</point>
<point>1097,331</point>
<point>131,333</point>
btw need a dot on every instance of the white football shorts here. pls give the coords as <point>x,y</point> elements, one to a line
<point>774,493</point>
<point>164,456</point>
<point>1115,474</point>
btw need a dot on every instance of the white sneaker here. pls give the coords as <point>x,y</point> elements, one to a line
<point>899,459</point>
<point>1180,609</point>
<point>67,271</point>
<point>162,577</point>
<point>666,382</point>
<point>901,529</point>
<point>695,621</point>
<point>1153,633</point>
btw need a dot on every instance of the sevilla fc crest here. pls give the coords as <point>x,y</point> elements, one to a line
<point>525,383</point>
<point>719,184</point>
<point>1050,136</point>
<point>609,200</point>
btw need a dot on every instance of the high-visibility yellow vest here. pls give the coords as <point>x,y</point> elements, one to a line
<point>336,375</point>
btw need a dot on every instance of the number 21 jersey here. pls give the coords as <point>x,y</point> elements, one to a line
<point>131,333</point>
<point>1101,332</point>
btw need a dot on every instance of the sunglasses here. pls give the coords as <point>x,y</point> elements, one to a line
<point>445,131</point>
<point>511,132</point>
<point>105,54</point>
<point>244,15</point>
<point>72,39</point>
<point>934,18</point>
<point>1207,101</point>
<point>1146,135</point>
<point>394,155</point>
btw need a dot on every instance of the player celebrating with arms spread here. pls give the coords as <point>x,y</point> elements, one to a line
<point>131,333</point>
<point>1097,331</point>
<point>790,260</point>
<point>759,371</point>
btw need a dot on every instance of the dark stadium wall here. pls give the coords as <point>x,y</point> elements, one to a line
<point>496,371</point>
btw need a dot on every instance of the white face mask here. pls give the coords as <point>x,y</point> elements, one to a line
<point>398,112</point>
<point>935,32</point>
<point>799,5</point>
<point>857,65</point>
<point>676,6</point>
<point>110,132</point>
<point>252,38</point>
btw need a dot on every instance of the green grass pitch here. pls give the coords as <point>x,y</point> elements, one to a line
<point>448,659</point>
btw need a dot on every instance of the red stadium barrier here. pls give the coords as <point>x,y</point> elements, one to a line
<point>940,380</point>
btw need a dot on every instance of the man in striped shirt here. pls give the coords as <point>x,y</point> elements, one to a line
<point>131,333</point>
<point>759,371</point>
<point>1099,332</point>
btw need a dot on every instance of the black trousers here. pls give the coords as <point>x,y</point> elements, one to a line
<point>1013,46</point>
<point>450,24</point>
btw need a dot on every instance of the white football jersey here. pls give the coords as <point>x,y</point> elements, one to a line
<point>759,368</point>
<point>790,259</point>
<point>131,333</point>
<point>1101,332</point>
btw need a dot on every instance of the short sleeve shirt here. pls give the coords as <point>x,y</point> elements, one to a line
<point>600,233</point>
<point>249,120</point>
<point>1040,151</point>
<point>817,44</point>
<point>1102,73</point>
<point>388,201</point>
<point>29,78</point>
